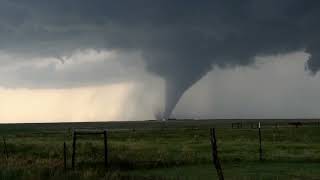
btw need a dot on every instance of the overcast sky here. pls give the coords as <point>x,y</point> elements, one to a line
<point>80,60</point>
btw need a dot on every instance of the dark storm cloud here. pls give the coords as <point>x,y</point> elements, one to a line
<point>179,40</point>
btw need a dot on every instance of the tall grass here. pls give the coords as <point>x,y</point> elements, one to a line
<point>165,153</point>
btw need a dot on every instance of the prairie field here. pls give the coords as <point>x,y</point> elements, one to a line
<point>161,150</point>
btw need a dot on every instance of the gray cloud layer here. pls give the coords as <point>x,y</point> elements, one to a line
<point>179,40</point>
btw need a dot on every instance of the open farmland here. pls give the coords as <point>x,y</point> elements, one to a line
<point>162,150</point>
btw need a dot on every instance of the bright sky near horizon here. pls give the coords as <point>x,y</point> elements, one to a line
<point>265,90</point>
<point>57,105</point>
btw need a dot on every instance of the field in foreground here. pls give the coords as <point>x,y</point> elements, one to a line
<point>161,150</point>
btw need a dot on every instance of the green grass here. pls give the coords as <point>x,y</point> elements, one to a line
<point>161,151</point>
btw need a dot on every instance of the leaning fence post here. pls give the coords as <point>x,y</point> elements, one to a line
<point>5,150</point>
<point>74,148</point>
<point>65,152</point>
<point>215,158</point>
<point>65,155</point>
<point>105,148</point>
<point>260,144</point>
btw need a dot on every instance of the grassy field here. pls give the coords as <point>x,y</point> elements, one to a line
<point>161,150</point>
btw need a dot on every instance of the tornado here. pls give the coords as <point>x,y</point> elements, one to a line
<point>179,41</point>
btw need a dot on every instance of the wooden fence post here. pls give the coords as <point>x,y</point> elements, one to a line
<point>215,157</point>
<point>5,150</point>
<point>74,148</point>
<point>65,155</point>
<point>64,152</point>
<point>105,148</point>
<point>260,144</point>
